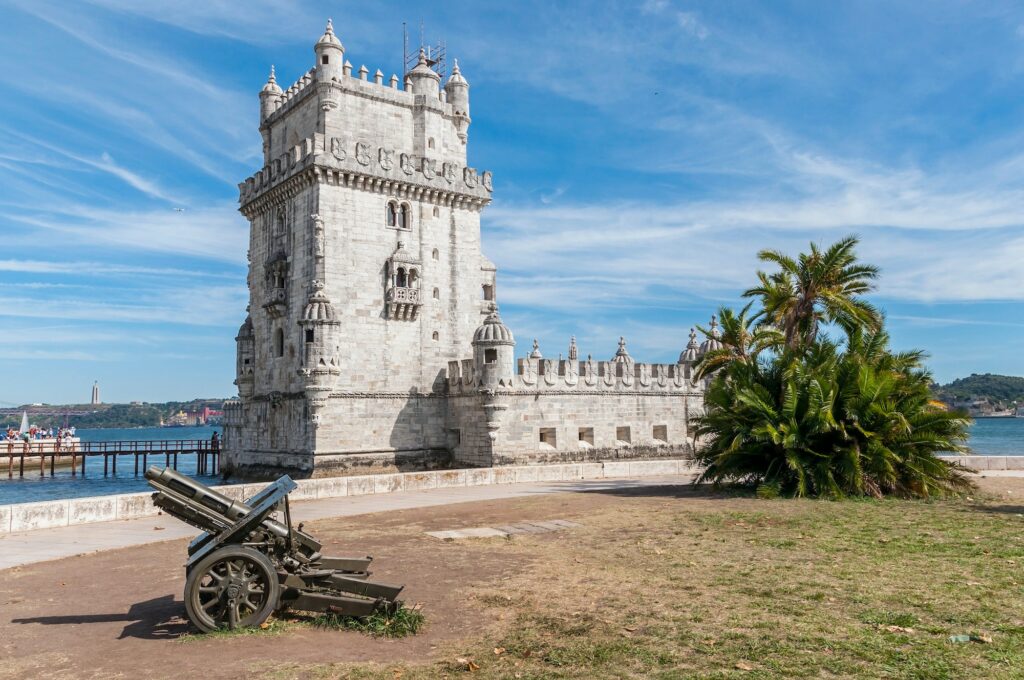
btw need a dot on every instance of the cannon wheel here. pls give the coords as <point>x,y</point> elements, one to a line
<point>231,587</point>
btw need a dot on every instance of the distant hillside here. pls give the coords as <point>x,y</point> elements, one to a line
<point>1001,390</point>
<point>103,415</point>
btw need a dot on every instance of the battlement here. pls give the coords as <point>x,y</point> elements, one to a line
<point>538,374</point>
<point>358,85</point>
<point>353,162</point>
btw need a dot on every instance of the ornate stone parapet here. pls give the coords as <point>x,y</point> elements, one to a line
<point>360,164</point>
<point>540,374</point>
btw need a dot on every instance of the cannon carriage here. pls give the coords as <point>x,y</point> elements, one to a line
<point>250,561</point>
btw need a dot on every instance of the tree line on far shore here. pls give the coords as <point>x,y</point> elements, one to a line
<point>104,415</point>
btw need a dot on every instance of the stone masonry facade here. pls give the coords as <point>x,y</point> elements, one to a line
<point>373,336</point>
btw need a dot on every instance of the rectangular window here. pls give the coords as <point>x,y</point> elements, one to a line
<point>547,437</point>
<point>586,437</point>
<point>309,335</point>
<point>490,356</point>
<point>661,433</point>
<point>622,435</point>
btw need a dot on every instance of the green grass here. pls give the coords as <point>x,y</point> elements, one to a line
<point>731,586</point>
<point>400,622</point>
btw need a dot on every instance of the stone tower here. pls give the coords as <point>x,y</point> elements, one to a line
<point>365,270</point>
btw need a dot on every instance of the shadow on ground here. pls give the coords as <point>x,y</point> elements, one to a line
<point>156,619</point>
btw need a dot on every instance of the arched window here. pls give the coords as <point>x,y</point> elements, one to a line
<point>279,342</point>
<point>405,217</point>
<point>435,254</point>
<point>400,279</point>
<point>437,211</point>
<point>414,278</point>
<point>435,337</point>
<point>390,214</point>
<point>430,143</point>
<point>437,294</point>
<point>488,292</point>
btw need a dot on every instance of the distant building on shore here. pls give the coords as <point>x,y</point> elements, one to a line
<point>373,335</point>
<point>95,393</point>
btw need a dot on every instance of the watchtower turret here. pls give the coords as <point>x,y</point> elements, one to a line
<point>270,96</point>
<point>424,79</point>
<point>494,352</point>
<point>330,56</point>
<point>457,90</point>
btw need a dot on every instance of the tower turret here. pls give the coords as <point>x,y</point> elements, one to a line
<point>494,352</point>
<point>245,359</point>
<point>330,55</point>
<point>424,79</point>
<point>457,89</point>
<point>270,96</point>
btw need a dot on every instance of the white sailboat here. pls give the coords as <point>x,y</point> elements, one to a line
<point>24,421</point>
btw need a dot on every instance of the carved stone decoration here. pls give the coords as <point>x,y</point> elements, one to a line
<point>362,153</point>
<point>429,168</point>
<point>405,163</point>
<point>448,170</point>
<point>387,158</point>
<point>337,148</point>
<point>319,239</point>
<point>487,180</point>
<point>527,372</point>
<point>469,177</point>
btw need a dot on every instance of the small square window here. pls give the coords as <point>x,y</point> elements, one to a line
<point>622,435</point>
<point>548,437</point>
<point>309,335</point>
<point>586,438</point>
<point>490,356</point>
<point>661,434</point>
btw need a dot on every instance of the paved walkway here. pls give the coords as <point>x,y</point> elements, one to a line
<point>17,549</point>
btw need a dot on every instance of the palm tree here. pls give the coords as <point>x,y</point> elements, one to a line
<point>831,421</point>
<point>741,340</point>
<point>822,286</point>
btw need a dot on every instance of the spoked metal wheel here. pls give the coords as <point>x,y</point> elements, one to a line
<point>230,588</point>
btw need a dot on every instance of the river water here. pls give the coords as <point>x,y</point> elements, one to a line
<point>989,436</point>
<point>63,485</point>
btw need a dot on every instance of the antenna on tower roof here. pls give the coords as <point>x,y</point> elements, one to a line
<point>436,54</point>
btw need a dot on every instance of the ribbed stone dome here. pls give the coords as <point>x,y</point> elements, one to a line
<point>713,341</point>
<point>245,330</point>
<point>493,332</point>
<point>319,309</point>
<point>328,38</point>
<point>692,351</point>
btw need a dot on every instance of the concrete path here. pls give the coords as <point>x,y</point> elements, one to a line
<point>41,545</point>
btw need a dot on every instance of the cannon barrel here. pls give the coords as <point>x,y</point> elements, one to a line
<point>193,490</point>
<point>186,494</point>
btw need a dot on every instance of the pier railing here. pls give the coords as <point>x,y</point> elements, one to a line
<point>74,453</point>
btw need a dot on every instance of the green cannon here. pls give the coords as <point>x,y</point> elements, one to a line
<point>250,562</point>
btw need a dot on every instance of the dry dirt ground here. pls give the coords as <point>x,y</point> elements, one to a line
<point>658,582</point>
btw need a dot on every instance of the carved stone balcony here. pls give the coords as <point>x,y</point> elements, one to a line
<point>277,303</point>
<point>403,303</point>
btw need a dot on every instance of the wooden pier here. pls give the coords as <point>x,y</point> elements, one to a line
<point>167,451</point>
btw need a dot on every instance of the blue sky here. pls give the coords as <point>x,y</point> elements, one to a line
<point>643,153</point>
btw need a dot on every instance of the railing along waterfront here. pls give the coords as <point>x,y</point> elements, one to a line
<point>75,453</point>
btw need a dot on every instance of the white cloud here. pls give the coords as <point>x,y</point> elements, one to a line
<point>689,22</point>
